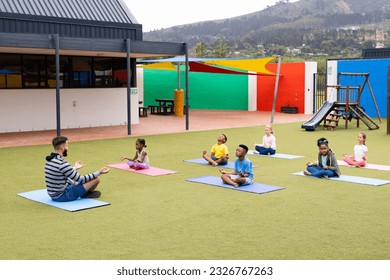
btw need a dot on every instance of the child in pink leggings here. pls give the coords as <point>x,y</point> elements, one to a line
<point>360,151</point>
<point>141,159</point>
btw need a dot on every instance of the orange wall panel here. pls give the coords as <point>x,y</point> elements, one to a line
<point>291,87</point>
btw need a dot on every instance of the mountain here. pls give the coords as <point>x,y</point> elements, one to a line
<point>320,26</point>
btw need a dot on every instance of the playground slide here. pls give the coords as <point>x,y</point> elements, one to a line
<point>325,109</point>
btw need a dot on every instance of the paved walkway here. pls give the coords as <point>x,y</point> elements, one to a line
<point>155,124</point>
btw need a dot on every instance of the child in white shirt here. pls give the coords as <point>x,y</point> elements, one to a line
<point>268,146</point>
<point>360,151</point>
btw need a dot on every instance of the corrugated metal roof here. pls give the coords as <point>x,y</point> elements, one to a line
<point>94,10</point>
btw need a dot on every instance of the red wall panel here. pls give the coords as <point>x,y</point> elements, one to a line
<point>291,87</point>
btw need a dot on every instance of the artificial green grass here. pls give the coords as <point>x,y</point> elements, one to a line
<point>165,217</point>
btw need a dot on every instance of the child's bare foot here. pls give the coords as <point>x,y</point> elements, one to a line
<point>256,152</point>
<point>307,173</point>
<point>326,177</point>
<point>236,185</point>
<point>215,163</point>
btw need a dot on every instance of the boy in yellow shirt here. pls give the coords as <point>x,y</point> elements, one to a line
<point>219,154</point>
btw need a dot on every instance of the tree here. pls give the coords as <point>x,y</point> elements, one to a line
<point>220,49</point>
<point>328,45</point>
<point>387,42</point>
<point>369,44</point>
<point>201,49</point>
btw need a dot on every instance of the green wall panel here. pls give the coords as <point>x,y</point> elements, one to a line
<point>207,90</point>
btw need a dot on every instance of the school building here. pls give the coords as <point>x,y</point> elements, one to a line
<point>62,64</point>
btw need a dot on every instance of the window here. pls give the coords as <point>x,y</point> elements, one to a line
<point>39,71</point>
<point>66,78</point>
<point>82,71</point>
<point>103,72</point>
<point>51,72</point>
<point>10,71</point>
<point>34,71</point>
<point>119,67</point>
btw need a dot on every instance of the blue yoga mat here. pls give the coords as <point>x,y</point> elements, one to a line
<point>276,155</point>
<point>354,179</point>
<point>204,162</point>
<point>217,181</point>
<point>72,206</point>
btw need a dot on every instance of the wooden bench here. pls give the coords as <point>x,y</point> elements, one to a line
<point>143,112</point>
<point>161,110</point>
<point>154,109</point>
<point>167,110</point>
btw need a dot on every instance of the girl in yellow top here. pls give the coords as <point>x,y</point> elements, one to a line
<point>219,154</point>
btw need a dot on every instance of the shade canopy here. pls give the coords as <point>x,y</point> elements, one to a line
<point>255,66</point>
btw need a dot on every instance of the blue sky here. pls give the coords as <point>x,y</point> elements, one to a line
<point>157,14</point>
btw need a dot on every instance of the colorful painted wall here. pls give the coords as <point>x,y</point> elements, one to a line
<point>233,92</point>
<point>378,70</point>
<point>291,90</point>
<point>207,90</point>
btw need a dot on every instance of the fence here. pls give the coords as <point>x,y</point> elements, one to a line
<point>319,91</point>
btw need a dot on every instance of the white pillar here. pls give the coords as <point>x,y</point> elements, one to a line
<point>252,92</point>
<point>310,70</point>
